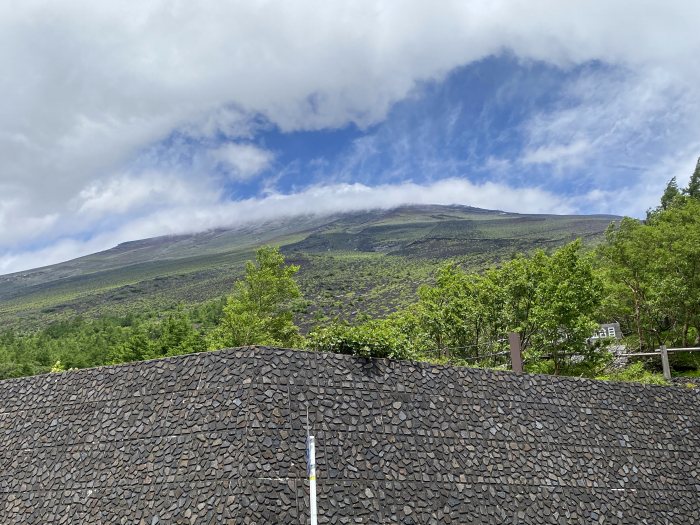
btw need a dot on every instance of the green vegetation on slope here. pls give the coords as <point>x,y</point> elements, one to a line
<point>551,300</point>
<point>83,343</point>
<point>260,309</point>
<point>349,263</point>
<point>373,290</point>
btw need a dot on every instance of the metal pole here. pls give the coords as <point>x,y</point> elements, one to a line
<point>516,357</point>
<point>664,363</point>
<point>311,446</point>
<point>311,469</point>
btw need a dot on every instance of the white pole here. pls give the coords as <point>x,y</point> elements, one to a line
<point>311,468</point>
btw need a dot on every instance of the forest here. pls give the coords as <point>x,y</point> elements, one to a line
<point>644,275</point>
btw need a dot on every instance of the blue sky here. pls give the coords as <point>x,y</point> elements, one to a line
<point>524,123</point>
<point>469,123</point>
<point>132,120</point>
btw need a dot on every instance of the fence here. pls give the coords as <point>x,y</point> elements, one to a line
<point>517,360</point>
<point>664,357</point>
<point>514,352</point>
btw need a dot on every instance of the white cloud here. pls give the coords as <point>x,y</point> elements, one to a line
<point>317,200</point>
<point>243,161</point>
<point>558,154</point>
<point>606,110</point>
<point>128,192</point>
<point>619,138</point>
<point>497,165</point>
<point>22,230</point>
<point>87,86</point>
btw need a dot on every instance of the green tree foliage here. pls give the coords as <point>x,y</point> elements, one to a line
<point>624,263</point>
<point>174,335</point>
<point>551,301</point>
<point>445,313</point>
<point>75,344</point>
<point>563,315</point>
<point>645,275</point>
<point>177,335</point>
<point>374,338</point>
<point>652,275</point>
<point>515,294</point>
<point>675,273</point>
<point>139,346</point>
<point>637,373</point>
<point>84,343</point>
<point>693,189</point>
<point>671,194</point>
<point>260,310</point>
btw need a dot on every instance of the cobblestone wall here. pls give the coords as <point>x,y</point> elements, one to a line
<point>219,438</point>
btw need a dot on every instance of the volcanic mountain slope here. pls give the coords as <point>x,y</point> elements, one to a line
<point>370,261</point>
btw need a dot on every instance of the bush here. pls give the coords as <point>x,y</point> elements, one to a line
<point>635,373</point>
<point>370,339</point>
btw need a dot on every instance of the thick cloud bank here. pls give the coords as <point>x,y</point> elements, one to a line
<point>88,89</point>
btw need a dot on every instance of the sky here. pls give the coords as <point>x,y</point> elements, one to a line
<point>133,119</point>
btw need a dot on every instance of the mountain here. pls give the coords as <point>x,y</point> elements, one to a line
<point>350,263</point>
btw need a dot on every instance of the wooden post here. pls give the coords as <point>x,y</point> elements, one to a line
<point>664,363</point>
<point>516,357</point>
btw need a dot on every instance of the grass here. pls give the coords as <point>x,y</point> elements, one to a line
<point>365,263</point>
<point>635,373</point>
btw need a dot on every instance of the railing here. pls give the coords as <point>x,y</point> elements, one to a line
<point>517,360</point>
<point>663,352</point>
<point>664,358</point>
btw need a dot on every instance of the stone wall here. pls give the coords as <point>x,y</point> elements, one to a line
<point>219,438</point>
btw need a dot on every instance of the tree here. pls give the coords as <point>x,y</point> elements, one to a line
<point>652,275</point>
<point>375,338</point>
<point>567,300</point>
<point>675,273</point>
<point>551,301</point>
<point>671,194</point>
<point>260,309</point>
<point>177,336</point>
<point>625,265</point>
<point>138,347</point>
<point>445,312</point>
<point>693,189</point>
<point>519,280</point>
